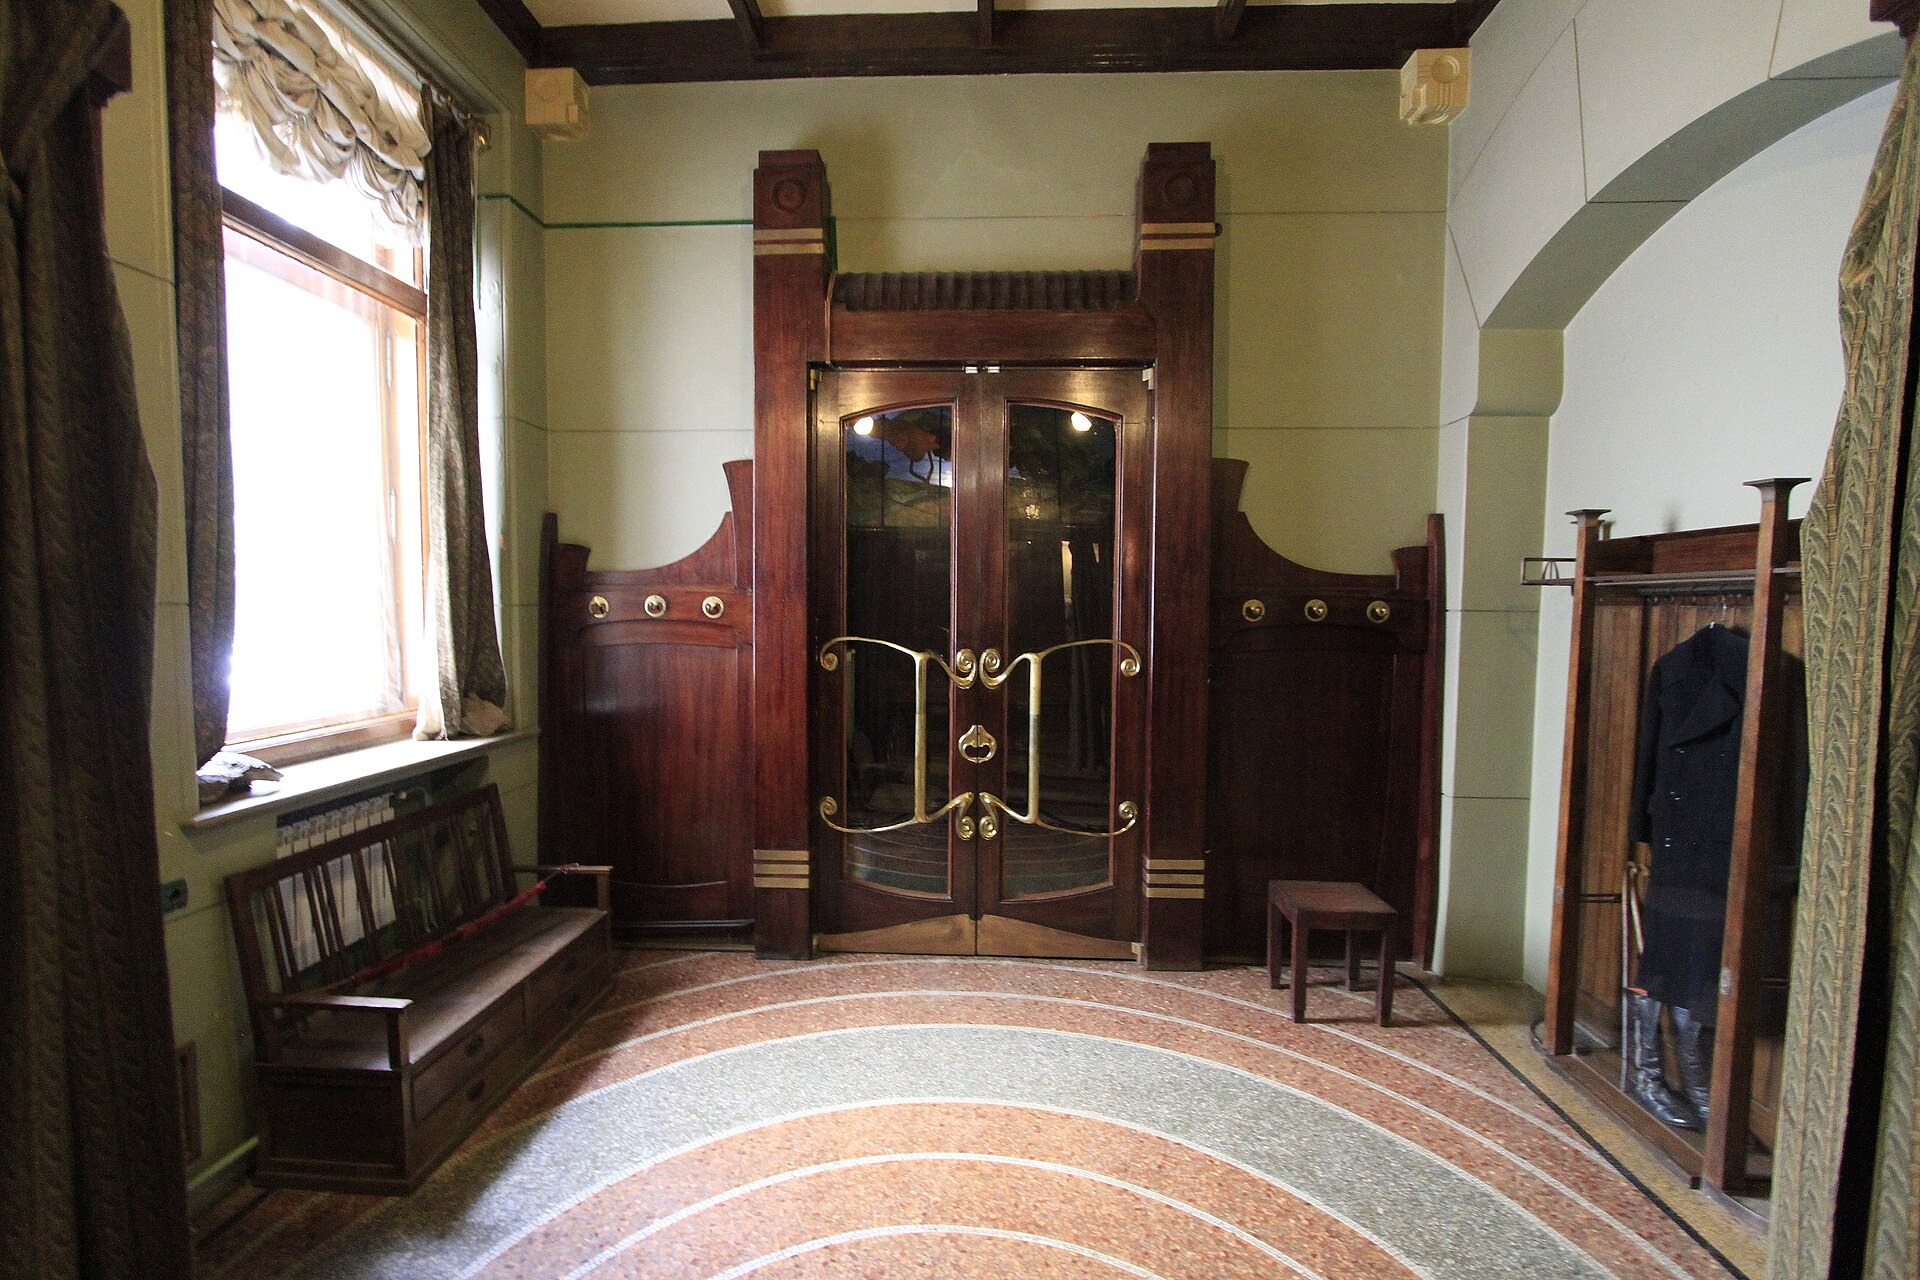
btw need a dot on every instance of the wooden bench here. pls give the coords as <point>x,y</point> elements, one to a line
<point>400,985</point>
<point>1306,905</point>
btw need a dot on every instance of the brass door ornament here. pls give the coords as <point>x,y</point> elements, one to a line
<point>656,606</point>
<point>713,606</point>
<point>992,677</point>
<point>1379,611</point>
<point>977,745</point>
<point>829,659</point>
<point>598,607</point>
<point>1316,610</point>
<point>1254,610</point>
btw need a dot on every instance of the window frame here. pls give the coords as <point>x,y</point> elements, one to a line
<point>293,743</point>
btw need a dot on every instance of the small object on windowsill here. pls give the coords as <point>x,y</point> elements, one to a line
<point>1546,571</point>
<point>230,773</point>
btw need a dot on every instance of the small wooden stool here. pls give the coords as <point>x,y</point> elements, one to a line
<point>1306,905</point>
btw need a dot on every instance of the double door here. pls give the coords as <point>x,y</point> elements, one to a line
<point>980,667</point>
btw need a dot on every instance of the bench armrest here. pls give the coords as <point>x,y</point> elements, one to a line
<point>393,1009</point>
<point>603,890</point>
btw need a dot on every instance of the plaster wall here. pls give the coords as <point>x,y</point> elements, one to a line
<point>1711,357</point>
<point>1330,274</point>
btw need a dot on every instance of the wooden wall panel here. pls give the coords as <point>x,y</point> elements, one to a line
<point>1321,732</point>
<point>646,755</point>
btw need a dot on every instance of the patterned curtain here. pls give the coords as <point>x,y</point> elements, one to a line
<point>91,1174</point>
<point>200,316</point>
<point>1845,1197</point>
<point>470,695</point>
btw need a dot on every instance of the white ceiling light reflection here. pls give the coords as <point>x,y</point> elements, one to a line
<point>1081,422</point>
<point>863,426</point>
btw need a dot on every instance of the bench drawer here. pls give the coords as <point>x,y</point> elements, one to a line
<point>462,1058</point>
<point>566,1005</point>
<point>460,1113</point>
<point>561,972</point>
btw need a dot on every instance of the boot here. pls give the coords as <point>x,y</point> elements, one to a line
<point>1694,1042</point>
<point>1646,1075</point>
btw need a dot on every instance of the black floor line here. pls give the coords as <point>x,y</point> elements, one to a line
<point>1580,1129</point>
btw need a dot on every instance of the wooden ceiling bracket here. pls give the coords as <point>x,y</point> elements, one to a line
<point>1903,13</point>
<point>753,28</point>
<point>1226,18</point>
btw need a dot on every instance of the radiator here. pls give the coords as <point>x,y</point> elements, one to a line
<point>302,910</point>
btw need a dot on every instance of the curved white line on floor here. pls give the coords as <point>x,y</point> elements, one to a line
<point>1305,1197</point>
<point>1569,1141</point>
<point>1575,1143</point>
<point>877,1233</point>
<point>619,1247</point>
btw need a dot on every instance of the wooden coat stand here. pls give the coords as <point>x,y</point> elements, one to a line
<point>1633,598</point>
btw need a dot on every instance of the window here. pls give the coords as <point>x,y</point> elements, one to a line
<point>326,352</point>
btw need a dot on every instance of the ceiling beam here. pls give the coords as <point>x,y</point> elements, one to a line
<point>1226,18</point>
<point>752,26</point>
<point>986,22</point>
<point>1269,38</point>
<point>518,25</point>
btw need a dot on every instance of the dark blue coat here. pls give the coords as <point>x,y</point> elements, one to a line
<point>1685,776</point>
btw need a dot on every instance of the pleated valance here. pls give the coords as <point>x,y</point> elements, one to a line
<point>322,105</point>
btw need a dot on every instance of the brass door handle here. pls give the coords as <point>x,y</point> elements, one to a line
<point>977,745</point>
<point>829,659</point>
<point>992,676</point>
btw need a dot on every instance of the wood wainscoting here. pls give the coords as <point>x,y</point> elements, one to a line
<point>646,752</point>
<point>1324,728</point>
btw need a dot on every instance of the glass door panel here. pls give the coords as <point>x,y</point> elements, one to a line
<point>1062,490</point>
<point>898,531</point>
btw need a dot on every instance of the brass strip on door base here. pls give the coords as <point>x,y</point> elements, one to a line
<point>944,936</point>
<point>1003,936</point>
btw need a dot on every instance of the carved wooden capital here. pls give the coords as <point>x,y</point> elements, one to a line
<point>1903,13</point>
<point>789,191</point>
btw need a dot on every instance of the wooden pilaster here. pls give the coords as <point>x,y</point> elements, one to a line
<point>1173,262</point>
<point>790,212</point>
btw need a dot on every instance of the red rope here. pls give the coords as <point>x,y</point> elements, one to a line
<point>429,949</point>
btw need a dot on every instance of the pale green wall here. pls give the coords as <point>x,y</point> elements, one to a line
<point>467,49</point>
<point>1710,358</point>
<point>1591,124</point>
<point>1330,264</point>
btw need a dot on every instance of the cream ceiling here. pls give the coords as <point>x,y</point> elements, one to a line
<point>562,13</point>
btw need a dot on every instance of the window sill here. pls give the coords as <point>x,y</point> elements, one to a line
<point>348,772</point>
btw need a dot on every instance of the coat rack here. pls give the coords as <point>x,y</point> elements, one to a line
<point>1633,599</point>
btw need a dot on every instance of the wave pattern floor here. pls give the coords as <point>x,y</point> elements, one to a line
<point>869,1116</point>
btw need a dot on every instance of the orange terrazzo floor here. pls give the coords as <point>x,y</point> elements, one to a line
<point>722,1116</point>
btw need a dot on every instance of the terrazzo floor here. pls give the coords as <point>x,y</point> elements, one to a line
<point>892,1116</point>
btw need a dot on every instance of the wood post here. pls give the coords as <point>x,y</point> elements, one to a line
<point>790,214</point>
<point>1563,978</point>
<point>1173,262</point>
<point>1755,831</point>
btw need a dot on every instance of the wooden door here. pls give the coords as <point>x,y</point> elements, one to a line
<point>979,611</point>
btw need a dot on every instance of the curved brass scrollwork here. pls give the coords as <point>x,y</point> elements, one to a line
<point>977,745</point>
<point>829,660</point>
<point>1129,813</point>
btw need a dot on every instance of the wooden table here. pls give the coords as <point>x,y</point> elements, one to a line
<point>1306,905</point>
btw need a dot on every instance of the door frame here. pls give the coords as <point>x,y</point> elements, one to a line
<point>1158,316</point>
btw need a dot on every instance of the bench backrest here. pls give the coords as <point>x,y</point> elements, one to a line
<point>329,915</point>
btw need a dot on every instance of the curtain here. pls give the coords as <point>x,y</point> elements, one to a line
<point>321,107</point>
<point>1844,1191</point>
<point>91,1171</point>
<point>469,695</point>
<point>200,319</point>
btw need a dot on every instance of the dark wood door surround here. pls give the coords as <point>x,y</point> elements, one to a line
<point>1159,318</point>
<point>683,705</point>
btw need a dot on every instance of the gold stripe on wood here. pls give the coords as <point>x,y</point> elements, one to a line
<point>1177,229</point>
<point>1171,877</point>
<point>769,250</point>
<point>1155,892</point>
<point>1176,864</point>
<point>773,235</point>
<point>782,855</point>
<point>1167,243</point>
<point>780,882</point>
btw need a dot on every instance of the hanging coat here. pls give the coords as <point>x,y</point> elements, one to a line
<point>1685,776</point>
